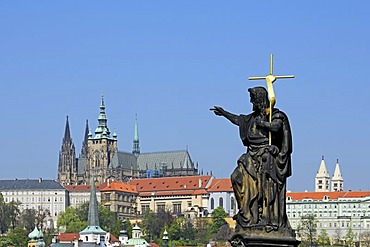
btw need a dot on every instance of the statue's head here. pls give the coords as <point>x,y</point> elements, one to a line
<point>259,98</point>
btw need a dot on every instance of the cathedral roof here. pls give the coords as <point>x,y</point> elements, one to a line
<point>124,160</point>
<point>156,160</point>
<point>30,184</point>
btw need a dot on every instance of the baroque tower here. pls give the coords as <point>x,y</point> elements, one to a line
<point>67,169</point>
<point>322,180</point>
<point>136,146</point>
<point>337,179</point>
<point>101,148</point>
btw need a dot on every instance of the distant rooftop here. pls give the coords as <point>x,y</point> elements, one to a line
<point>30,184</point>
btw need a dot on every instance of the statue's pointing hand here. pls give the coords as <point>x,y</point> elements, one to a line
<point>219,111</point>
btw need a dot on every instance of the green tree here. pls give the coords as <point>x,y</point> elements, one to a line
<point>323,239</point>
<point>153,224</point>
<point>189,232</point>
<point>128,228</point>
<point>350,237</point>
<point>307,229</point>
<point>75,219</point>
<point>76,226</point>
<point>14,212</point>
<point>203,229</point>
<point>18,237</point>
<point>40,216</point>
<point>107,218</point>
<point>70,219</point>
<point>27,219</point>
<point>174,230</point>
<point>365,238</point>
<point>218,219</point>
<point>5,242</point>
<point>4,216</point>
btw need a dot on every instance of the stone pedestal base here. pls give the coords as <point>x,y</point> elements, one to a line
<point>244,241</point>
<point>260,236</point>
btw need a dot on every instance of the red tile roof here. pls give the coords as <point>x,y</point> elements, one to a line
<point>171,183</point>
<point>298,196</point>
<point>113,239</point>
<point>119,186</point>
<point>68,237</point>
<point>221,185</point>
<point>188,185</point>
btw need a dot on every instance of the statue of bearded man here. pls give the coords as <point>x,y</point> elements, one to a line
<point>259,180</point>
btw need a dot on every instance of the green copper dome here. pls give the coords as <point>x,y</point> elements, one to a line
<point>34,234</point>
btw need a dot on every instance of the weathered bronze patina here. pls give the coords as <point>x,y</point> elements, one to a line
<point>259,180</point>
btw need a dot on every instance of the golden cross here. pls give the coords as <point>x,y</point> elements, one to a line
<point>270,79</point>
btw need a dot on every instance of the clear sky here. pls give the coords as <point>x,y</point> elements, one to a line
<point>169,62</point>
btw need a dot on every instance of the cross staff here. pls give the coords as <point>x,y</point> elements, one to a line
<point>270,79</point>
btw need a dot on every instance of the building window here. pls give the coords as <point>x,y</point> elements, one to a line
<point>107,197</point>
<point>221,202</point>
<point>144,208</point>
<point>212,203</point>
<point>232,203</point>
<point>161,207</point>
<point>177,208</point>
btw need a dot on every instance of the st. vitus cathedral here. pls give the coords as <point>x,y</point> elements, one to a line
<point>100,157</point>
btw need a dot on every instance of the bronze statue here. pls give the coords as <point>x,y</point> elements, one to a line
<point>259,180</point>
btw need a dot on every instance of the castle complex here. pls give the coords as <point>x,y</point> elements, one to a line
<point>100,157</point>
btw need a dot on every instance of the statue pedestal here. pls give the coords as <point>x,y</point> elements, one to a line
<point>260,237</point>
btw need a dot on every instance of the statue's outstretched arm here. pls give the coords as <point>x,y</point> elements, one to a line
<point>219,111</point>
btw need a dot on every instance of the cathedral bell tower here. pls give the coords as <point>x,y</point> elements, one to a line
<point>67,169</point>
<point>101,148</point>
<point>322,180</point>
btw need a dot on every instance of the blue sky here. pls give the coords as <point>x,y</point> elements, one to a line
<point>169,62</point>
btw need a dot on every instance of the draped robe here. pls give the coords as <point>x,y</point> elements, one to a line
<point>259,180</point>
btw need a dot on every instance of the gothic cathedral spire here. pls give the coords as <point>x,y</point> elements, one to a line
<point>67,159</point>
<point>136,146</point>
<point>85,147</point>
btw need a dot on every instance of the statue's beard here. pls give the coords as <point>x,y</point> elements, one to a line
<point>259,108</point>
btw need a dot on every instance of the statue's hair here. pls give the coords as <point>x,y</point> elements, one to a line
<point>260,94</point>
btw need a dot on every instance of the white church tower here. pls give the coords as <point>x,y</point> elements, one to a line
<point>337,179</point>
<point>322,180</point>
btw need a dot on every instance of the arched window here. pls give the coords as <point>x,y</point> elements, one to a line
<point>212,203</point>
<point>221,202</point>
<point>232,203</point>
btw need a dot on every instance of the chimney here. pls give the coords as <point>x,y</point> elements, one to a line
<point>200,182</point>
<point>40,180</point>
